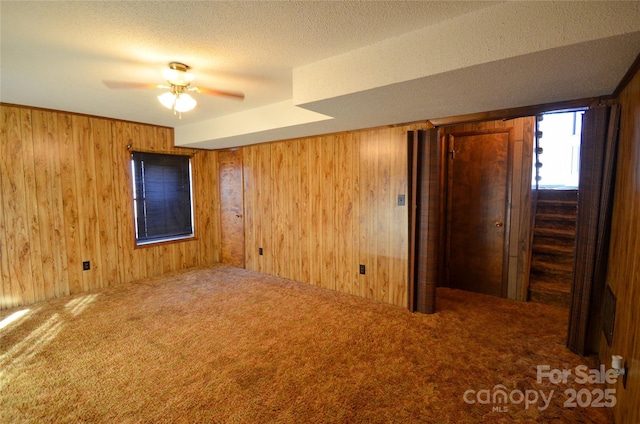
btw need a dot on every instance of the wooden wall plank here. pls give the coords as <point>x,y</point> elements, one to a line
<point>65,208</point>
<point>17,247</point>
<point>293,226</point>
<point>315,187</point>
<point>123,137</point>
<point>304,212</point>
<point>383,211</point>
<point>265,202</point>
<point>45,147</point>
<point>356,282</point>
<point>44,204</point>
<point>329,204</point>
<point>73,136</point>
<point>250,208</point>
<point>105,199</point>
<point>4,260</point>
<point>32,206</point>
<point>257,210</point>
<point>66,197</point>
<point>368,151</point>
<point>207,200</point>
<point>87,198</point>
<point>278,178</point>
<point>327,215</point>
<point>623,270</point>
<point>344,219</point>
<point>399,180</point>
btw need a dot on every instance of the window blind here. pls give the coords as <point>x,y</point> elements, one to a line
<point>162,196</point>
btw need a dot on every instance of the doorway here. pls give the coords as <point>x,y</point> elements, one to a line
<point>555,181</point>
<point>477,220</point>
<point>230,179</point>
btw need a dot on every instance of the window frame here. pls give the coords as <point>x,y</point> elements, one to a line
<point>146,242</point>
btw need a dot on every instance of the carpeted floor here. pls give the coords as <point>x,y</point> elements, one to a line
<point>233,346</point>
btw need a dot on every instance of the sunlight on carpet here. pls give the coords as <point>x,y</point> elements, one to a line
<point>228,345</point>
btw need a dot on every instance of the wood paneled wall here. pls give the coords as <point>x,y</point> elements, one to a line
<point>321,206</point>
<point>520,207</point>
<point>623,275</point>
<point>66,197</point>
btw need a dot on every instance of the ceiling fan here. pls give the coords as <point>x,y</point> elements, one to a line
<point>179,84</point>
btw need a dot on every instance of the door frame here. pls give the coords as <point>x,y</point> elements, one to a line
<point>446,195</point>
<point>239,215</point>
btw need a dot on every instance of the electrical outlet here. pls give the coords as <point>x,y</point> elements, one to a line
<point>401,200</point>
<point>362,269</point>
<point>86,265</point>
<point>260,251</point>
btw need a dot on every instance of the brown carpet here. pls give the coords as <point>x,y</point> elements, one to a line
<point>233,346</point>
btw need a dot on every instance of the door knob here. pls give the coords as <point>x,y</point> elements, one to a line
<point>499,224</point>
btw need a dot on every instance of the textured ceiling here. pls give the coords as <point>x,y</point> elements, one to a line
<point>312,67</point>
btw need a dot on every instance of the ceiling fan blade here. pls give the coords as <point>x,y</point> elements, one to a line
<point>211,92</point>
<point>127,85</point>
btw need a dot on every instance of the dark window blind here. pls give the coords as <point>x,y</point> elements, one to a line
<point>162,196</point>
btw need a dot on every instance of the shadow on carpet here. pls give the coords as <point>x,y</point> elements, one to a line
<point>233,346</point>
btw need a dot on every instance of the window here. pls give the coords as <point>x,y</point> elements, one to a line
<point>161,197</point>
<point>558,155</point>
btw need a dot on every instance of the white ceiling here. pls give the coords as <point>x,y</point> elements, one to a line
<point>312,67</point>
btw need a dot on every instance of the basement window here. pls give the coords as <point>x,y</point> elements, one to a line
<point>557,156</point>
<point>161,197</point>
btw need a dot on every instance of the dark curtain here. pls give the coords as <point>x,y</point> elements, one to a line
<point>424,219</point>
<point>595,203</point>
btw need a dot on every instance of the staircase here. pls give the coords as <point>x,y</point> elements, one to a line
<point>553,247</point>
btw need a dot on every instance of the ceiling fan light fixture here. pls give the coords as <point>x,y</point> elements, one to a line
<point>167,99</point>
<point>178,102</point>
<point>177,74</point>
<point>177,98</point>
<point>184,103</point>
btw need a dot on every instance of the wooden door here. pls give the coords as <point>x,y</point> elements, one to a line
<point>477,210</point>
<point>231,207</point>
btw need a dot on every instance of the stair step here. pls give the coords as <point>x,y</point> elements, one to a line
<point>538,276</point>
<point>545,275</point>
<point>555,232</point>
<point>556,225</point>
<point>544,194</point>
<point>550,287</point>
<point>551,267</point>
<point>550,294</point>
<point>563,203</point>
<point>556,207</point>
<point>561,259</point>
<point>556,217</point>
<point>557,202</point>
<point>559,241</point>
<point>553,249</point>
